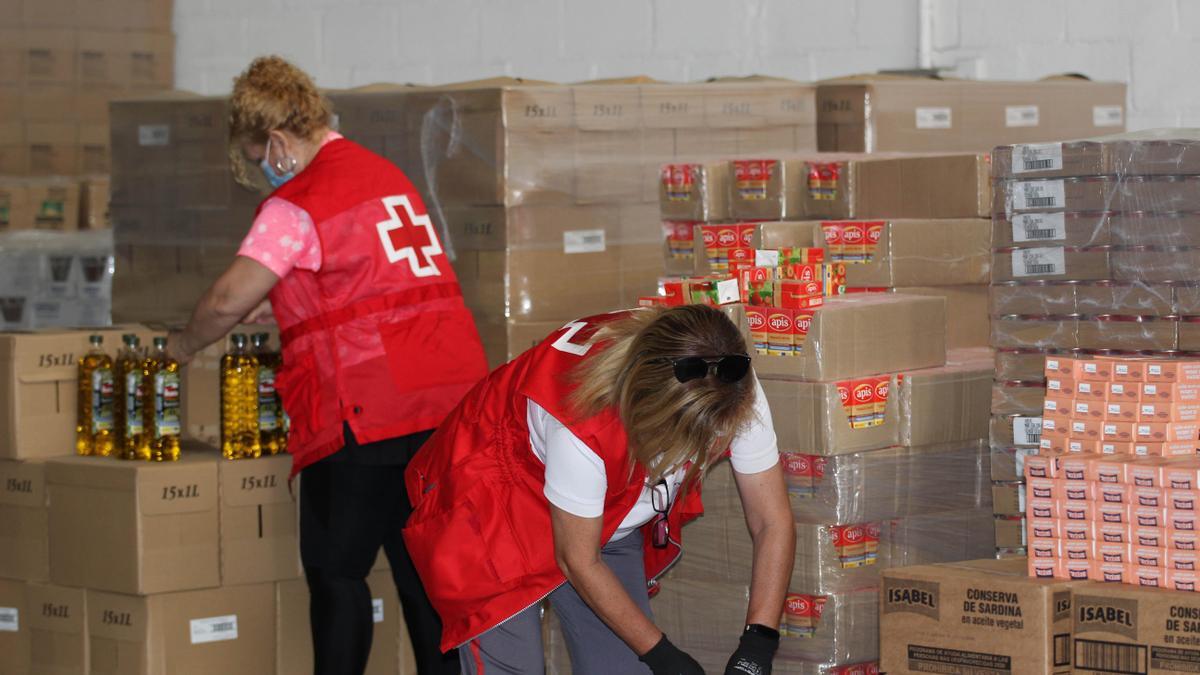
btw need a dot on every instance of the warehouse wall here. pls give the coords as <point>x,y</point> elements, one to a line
<point>1152,44</point>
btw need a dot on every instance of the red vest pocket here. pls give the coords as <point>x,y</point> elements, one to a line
<point>450,351</point>
<point>299,389</point>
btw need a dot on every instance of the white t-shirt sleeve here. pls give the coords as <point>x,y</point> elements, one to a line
<point>575,477</point>
<point>755,448</point>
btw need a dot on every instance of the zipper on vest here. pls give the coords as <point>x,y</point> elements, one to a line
<point>653,581</point>
<point>474,637</point>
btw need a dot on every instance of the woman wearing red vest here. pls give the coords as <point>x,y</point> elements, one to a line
<point>377,346</point>
<point>568,474</point>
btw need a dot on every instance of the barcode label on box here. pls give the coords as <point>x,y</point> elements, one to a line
<point>377,610</point>
<point>1038,194</point>
<point>1027,430</point>
<point>214,629</point>
<point>1110,657</point>
<point>1037,157</point>
<point>1021,116</point>
<point>154,135</point>
<point>1033,262</point>
<point>727,291</point>
<point>10,619</point>
<point>583,241</point>
<point>1039,227</point>
<point>934,118</point>
<point>766,258</point>
<point>1108,116</point>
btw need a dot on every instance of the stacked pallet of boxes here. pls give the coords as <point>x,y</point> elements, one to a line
<point>1094,255</point>
<point>136,568</point>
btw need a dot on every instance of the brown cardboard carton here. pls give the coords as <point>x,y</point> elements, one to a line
<point>259,535</point>
<point>811,418</point>
<point>220,630</point>
<point>52,148</point>
<point>1048,263</point>
<point>944,252</point>
<point>967,320</point>
<point>932,186</point>
<point>865,334</point>
<point>16,213</point>
<point>879,113</point>
<point>758,101</point>
<point>766,189</point>
<point>695,191</point>
<point>50,56</point>
<point>54,203</point>
<point>93,211</point>
<point>294,637</point>
<point>1066,229</point>
<point>134,527</point>
<point>961,617</point>
<point>58,629</point>
<point>1120,627</point>
<point>24,528</point>
<point>93,154</point>
<point>1010,533</point>
<point>948,403</point>
<point>14,154</point>
<point>14,617</point>
<point>1148,153</point>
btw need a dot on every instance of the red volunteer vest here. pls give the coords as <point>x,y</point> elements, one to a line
<point>480,530</point>
<point>379,337</point>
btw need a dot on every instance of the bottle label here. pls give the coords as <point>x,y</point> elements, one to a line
<point>268,403</point>
<point>166,404</point>
<point>102,400</point>
<point>133,404</point>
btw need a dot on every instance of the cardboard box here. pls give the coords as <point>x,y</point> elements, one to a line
<point>967,319</point>
<point>812,418</point>
<point>93,210</point>
<point>134,527</point>
<point>1096,193</point>
<point>948,403</point>
<point>766,189</point>
<point>24,529</point>
<point>219,630</point>
<point>16,213</point>
<point>695,191</point>
<point>880,113</point>
<point>865,334</point>
<point>989,613</point>
<point>14,617</point>
<point>1132,154</point>
<point>58,629</point>
<point>1065,229</point>
<point>945,252</point>
<point>933,186</point>
<point>1124,627</point>
<point>1050,263</point>
<point>259,529</point>
<point>54,203</point>
<point>391,650</point>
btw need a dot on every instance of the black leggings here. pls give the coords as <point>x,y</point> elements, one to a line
<point>351,504</point>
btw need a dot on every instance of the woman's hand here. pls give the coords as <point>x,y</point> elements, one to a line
<point>260,314</point>
<point>665,658</point>
<point>769,519</point>
<point>176,349</point>
<point>755,652</point>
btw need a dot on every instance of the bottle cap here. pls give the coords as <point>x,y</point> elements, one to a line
<point>96,340</point>
<point>239,340</point>
<point>160,343</point>
<point>130,340</point>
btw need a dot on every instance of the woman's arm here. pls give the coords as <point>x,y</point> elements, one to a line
<point>238,290</point>
<point>769,519</point>
<point>577,550</point>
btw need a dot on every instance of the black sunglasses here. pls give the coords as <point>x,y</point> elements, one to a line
<point>729,368</point>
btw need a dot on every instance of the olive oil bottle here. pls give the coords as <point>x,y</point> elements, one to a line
<point>94,433</point>
<point>239,402</point>
<point>271,434</point>
<point>130,378</point>
<point>162,405</point>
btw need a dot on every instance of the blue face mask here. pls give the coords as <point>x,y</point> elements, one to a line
<point>273,178</point>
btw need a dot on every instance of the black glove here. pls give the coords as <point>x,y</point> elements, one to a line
<point>755,652</point>
<point>665,658</point>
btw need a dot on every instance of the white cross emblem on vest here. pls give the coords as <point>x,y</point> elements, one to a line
<point>421,263</point>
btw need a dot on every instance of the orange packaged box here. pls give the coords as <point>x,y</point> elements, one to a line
<point>1148,536</point>
<point>1182,500</point>
<point>1077,570</point>
<point>1041,508</point>
<point>1117,431</point>
<point>1112,533</point>
<point>1076,550</point>
<point>1078,445</point>
<point>1112,514</point>
<point>1056,404</point>
<point>1113,553</point>
<point>1147,449</point>
<point>1042,568</point>
<point>1116,448</point>
<point>1127,369</point>
<point>794,294</point>
<point>1181,540</point>
<point>1042,488</point>
<point>1144,473</point>
<point>1167,432</point>
<point>1181,473</point>
<point>1148,496</point>
<point>1180,560</point>
<point>1056,425</point>
<point>1108,470</point>
<point>1086,429</point>
<point>1128,392</point>
<point>1121,411</point>
<point>1060,366</point>
<point>1171,371</point>
<point>1084,409</point>
<point>1149,556</point>
<point>1149,577</point>
<point>1075,492</point>
<point>1041,466</point>
<point>1091,391</point>
<point>1154,411</point>
<point>1074,530</point>
<point>1181,580</point>
<point>1144,516</point>
<point>1045,548</point>
<point>1093,370</point>
<point>1182,521</point>
<point>1177,393</point>
<point>1112,573</point>
<point>1044,528</point>
<point>1054,443</point>
<point>1073,467</point>
<point>1110,493</point>
<point>1060,386</point>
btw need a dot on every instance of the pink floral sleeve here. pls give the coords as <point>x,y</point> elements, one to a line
<point>282,238</point>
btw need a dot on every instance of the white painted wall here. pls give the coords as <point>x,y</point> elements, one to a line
<point>1152,44</point>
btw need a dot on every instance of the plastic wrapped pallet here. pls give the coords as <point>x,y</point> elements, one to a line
<point>55,279</point>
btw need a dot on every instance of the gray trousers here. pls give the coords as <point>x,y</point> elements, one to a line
<point>515,646</point>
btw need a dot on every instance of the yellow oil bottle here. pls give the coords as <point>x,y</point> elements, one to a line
<point>162,405</point>
<point>271,433</point>
<point>239,402</point>
<point>94,433</point>
<point>130,379</point>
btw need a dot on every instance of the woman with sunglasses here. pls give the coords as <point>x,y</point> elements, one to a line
<point>568,474</point>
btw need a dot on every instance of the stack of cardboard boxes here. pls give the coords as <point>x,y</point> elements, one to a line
<point>1094,254</point>
<point>135,568</point>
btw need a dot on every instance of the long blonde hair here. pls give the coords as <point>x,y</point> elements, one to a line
<point>668,423</point>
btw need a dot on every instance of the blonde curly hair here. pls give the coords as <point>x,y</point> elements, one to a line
<point>272,94</point>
